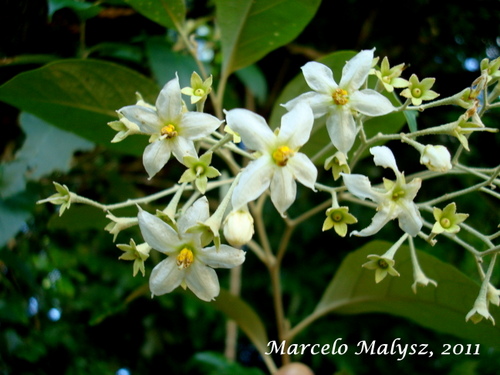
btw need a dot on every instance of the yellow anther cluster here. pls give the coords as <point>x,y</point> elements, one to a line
<point>169,130</point>
<point>281,155</point>
<point>185,258</point>
<point>340,97</point>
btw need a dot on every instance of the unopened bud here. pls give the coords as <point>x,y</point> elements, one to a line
<point>436,158</point>
<point>238,228</point>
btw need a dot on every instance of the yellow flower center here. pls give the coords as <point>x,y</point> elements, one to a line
<point>398,194</point>
<point>445,222</point>
<point>169,131</point>
<point>185,258</point>
<point>337,216</point>
<point>199,92</point>
<point>340,97</point>
<point>281,155</point>
<point>416,92</point>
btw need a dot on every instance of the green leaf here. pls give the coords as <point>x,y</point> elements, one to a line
<point>14,211</point>
<point>250,29</point>
<point>387,124</point>
<point>81,96</point>
<point>82,9</point>
<point>244,316</point>
<point>168,13</point>
<point>213,363</point>
<point>443,308</point>
<point>255,81</point>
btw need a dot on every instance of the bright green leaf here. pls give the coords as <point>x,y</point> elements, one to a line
<point>443,308</point>
<point>82,9</point>
<point>168,13</point>
<point>244,316</point>
<point>250,29</point>
<point>81,96</point>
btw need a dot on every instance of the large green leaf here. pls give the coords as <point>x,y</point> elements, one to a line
<point>443,308</point>
<point>250,29</point>
<point>81,96</point>
<point>168,13</point>
<point>391,123</point>
<point>244,316</point>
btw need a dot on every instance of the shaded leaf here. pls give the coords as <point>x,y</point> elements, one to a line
<point>255,81</point>
<point>214,363</point>
<point>250,29</point>
<point>168,13</point>
<point>81,96</point>
<point>443,308</point>
<point>14,212</point>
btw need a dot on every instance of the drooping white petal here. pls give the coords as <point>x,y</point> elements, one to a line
<point>254,180</point>
<point>225,257</point>
<point>383,157</point>
<point>182,147</point>
<point>169,102</point>
<point>341,128</point>
<point>155,156</point>
<point>409,217</point>
<point>319,103</point>
<point>196,125</point>
<point>165,277</point>
<point>158,234</point>
<point>198,212</point>
<point>370,103</point>
<point>360,186</point>
<point>382,217</point>
<point>252,128</point>
<point>296,126</point>
<point>202,281</point>
<point>145,118</point>
<point>412,188</point>
<point>356,71</point>
<point>283,189</point>
<point>319,77</point>
<point>303,169</point>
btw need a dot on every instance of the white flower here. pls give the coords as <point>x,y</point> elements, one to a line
<point>238,227</point>
<point>279,163</point>
<point>395,200</point>
<point>172,130</point>
<point>188,264</point>
<point>338,101</point>
<point>436,158</point>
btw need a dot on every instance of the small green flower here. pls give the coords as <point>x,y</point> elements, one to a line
<point>382,266</point>
<point>493,295</point>
<point>199,171</point>
<point>480,310</point>
<point>199,89</point>
<point>390,77</point>
<point>447,220</point>
<point>62,197</point>
<point>118,224</point>
<point>492,67</point>
<point>462,128</point>
<point>137,253</point>
<point>338,163</point>
<point>419,91</point>
<point>338,218</point>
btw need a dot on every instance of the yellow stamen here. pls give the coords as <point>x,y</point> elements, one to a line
<point>281,155</point>
<point>398,194</point>
<point>185,258</point>
<point>169,131</point>
<point>340,97</point>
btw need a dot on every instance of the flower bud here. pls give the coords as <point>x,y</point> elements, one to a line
<point>436,158</point>
<point>238,227</point>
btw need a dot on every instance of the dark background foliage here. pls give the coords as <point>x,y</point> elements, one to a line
<point>68,306</point>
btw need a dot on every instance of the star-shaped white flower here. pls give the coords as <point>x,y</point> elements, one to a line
<point>188,264</point>
<point>279,163</point>
<point>395,200</point>
<point>339,101</point>
<point>172,129</point>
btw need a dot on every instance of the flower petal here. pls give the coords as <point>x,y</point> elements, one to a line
<point>155,156</point>
<point>319,103</point>
<point>360,186</point>
<point>356,71</point>
<point>158,234</point>
<point>370,103</point>
<point>165,277</point>
<point>252,128</point>
<point>381,218</point>
<point>383,157</point>
<point>225,257</point>
<point>202,281</point>
<point>409,217</point>
<point>296,126</point>
<point>319,77</point>
<point>341,128</point>
<point>182,147</point>
<point>283,189</point>
<point>254,180</point>
<point>303,169</point>
<point>145,118</point>
<point>169,102</point>
<point>195,214</point>
<point>196,125</point>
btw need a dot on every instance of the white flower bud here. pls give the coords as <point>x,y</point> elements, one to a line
<point>238,228</point>
<point>436,158</point>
